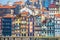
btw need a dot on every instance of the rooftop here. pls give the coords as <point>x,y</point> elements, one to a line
<point>52,6</point>
<point>7,6</point>
<point>9,16</point>
<point>20,2</point>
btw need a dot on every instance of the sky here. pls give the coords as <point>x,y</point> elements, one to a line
<point>5,1</point>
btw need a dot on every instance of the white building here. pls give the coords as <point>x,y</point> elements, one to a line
<point>57,25</point>
<point>53,9</point>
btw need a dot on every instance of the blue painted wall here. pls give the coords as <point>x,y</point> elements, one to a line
<point>6,26</point>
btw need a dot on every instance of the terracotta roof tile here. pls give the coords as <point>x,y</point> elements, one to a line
<point>20,2</point>
<point>9,16</point>
<point>24,13</point>
<point>7,6</point>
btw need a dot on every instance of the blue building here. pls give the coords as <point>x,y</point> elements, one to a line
<point>28,2</point>
<point>36,4</point>
<point>6,10</point>
<point>6,26</point>
<point>17,9</point>
<point>46,3</point>
<point>50,27</point>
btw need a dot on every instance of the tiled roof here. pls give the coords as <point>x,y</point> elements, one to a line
<point>24,13</point>
<point>52,6</point>
<point>7,6</point>
<point>34,0</point>
<point>20,2</point>
<point>9,16</point>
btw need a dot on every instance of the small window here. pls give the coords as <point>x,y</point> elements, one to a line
<point>4,38</point>
<point>24,34</point>
<point>13,38</point>
<point>23,29</point>
<point>19,23</point>
<point>16,24</point>
<point>7,38</point>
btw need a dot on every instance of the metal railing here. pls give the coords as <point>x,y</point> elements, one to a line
<point>29,38</point>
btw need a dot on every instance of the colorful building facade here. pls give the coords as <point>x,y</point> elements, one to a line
<point>28,20</point>
<point>7,25</point>
<point>57,25</point>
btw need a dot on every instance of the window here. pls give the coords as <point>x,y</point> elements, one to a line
<point>17,27</point>
<point>16,19</point>
<point>50,11</point>
<point>56,12</point>
<point>55,8</point>
<point>24,18</point>
<point>7,38</point>
<point>16,24</point>
<point>50,8</point>
<point>19,23</point>
<point>57,18</point>
<point>8,23</point>
<point>36,32</point>
<point>23,26</point>
<point>57,26</point>
<point>57,3</point>
<point>23,29</point>
<point>58,22</point>
<point>13,38</point>
<point>52,16</point>
<point>23,22</point>
<point>31,23</point>
<point>4,38</point>
<point>18,34</point>
<point>23,34</point>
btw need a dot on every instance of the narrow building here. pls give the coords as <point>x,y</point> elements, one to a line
<point>57,25</point>
<point>7,25</point>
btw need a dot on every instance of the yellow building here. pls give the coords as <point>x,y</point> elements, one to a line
<point>21,25</point>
